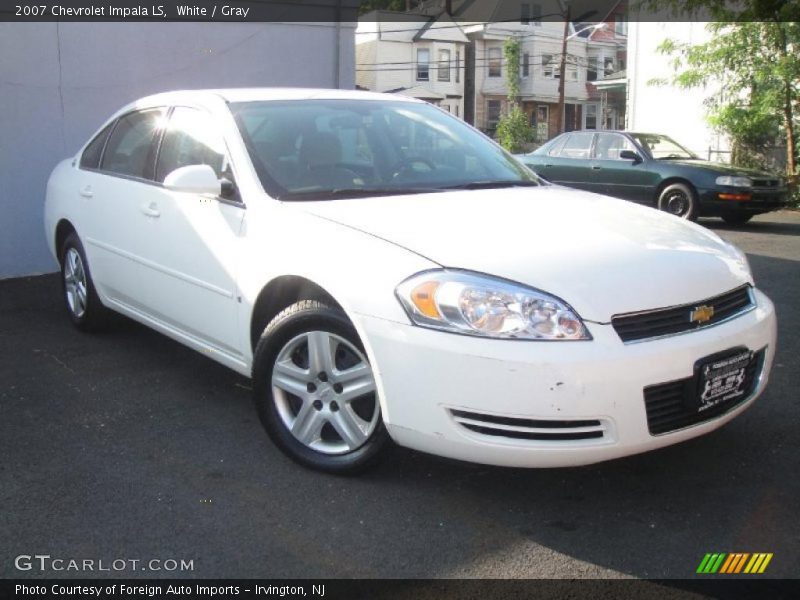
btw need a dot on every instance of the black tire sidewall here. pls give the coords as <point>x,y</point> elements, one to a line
<point>691,214</point>
<point>94,312</point>
<point>317,318</point>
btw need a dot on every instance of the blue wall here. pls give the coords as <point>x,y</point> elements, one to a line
<point>60,81</point>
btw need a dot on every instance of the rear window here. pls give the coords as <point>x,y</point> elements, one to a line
<point>90,159</point>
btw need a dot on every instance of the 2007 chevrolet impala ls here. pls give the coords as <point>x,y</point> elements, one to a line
<point>384,271</point>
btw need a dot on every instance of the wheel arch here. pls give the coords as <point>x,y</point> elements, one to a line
<point>63,229</point>
<point>675,179</point>
<point>279,293</point>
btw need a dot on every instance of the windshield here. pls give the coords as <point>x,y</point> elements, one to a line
<point>317,149</point>
<point>662,147</point>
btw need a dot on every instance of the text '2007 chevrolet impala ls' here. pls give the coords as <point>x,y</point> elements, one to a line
<point>383,272</point>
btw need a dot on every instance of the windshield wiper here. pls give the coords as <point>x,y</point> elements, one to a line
<point>480,185</point>
<point>355,193</point>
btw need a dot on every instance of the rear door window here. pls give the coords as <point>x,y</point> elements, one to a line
<point>131,147</point>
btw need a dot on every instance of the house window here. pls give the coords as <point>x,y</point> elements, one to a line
<point>608,66</point>
<point>572,68</point>
<point>621,25</point>
<point>526,64</point>
<point>444,65</point>
<point>547,66</point>
<point>423,64</point>
<point>536,15</point>
<point>493,108</point>
<point>458,66</point>
<point>495,62</point>
<point>525,13</point>
<point>591,69</point>
<point>590,116</point>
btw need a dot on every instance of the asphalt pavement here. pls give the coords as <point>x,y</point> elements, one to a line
<point>126,445</point>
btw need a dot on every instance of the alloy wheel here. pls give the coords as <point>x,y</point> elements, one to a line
<point>75,285</point>
<point>324,391</point>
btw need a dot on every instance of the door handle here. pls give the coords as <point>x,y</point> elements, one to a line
<point>548,165</point>
<point>87,192</point>
<point>596,167</point>
<point>151,210</point>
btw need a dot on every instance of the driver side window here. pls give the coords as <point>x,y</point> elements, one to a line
<point>609,145</point>
<point>191,138</point>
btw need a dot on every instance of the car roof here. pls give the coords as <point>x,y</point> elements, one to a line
<point>204,96</point>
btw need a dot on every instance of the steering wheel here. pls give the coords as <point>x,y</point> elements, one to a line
<point>406,165</point>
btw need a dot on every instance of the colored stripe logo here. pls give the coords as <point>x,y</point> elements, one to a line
<point>734,563</point>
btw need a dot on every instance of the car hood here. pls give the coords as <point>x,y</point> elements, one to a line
<point>602,255</point>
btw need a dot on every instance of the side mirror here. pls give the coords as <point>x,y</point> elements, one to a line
<point>195,179</point>
<point>630,155</point>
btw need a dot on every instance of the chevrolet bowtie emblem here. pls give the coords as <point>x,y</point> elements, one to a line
<point>701,314</point>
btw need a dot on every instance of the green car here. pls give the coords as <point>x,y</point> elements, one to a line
<point>654,170</point>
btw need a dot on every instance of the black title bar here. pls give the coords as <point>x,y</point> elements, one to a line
<point>350,11</point>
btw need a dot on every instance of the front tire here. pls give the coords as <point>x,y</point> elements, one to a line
<point>315,391</point>
<point>680,200</point>
<point>83,305</point>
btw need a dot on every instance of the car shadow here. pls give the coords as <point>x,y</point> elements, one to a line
<point>759,224</point>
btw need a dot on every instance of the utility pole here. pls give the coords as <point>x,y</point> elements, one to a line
<point>562,75</point>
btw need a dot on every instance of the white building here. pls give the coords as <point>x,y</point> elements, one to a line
<point>412,55</point>
<point>676,112</point>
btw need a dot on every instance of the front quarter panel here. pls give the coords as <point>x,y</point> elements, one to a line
<point>359,270</point>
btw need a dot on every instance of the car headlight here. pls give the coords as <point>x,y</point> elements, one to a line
<point>473,304</point>
<point>734,181</point>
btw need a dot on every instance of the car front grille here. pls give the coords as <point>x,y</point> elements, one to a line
<point>678,319</point>
<point>670,405</point>
<point>766,182</point>
<point>529,429</point>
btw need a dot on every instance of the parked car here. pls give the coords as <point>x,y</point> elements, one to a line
<point>656,171</point>
<point>385,272</point>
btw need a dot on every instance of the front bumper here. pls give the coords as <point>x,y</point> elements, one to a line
<point>424,375</point>
<point>760,200</point>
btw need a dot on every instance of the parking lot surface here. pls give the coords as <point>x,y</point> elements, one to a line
<point>126,445</point>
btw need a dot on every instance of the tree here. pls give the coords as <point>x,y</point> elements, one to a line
<point>754,58</point>
<point>513,129</point>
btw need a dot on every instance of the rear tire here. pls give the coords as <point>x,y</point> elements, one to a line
<point>83,305</point>
<point>680,200</point>
<point>737,218</point>
<point>315,390</point>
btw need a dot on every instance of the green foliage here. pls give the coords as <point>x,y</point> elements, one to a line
<point>511,52</point>
<point>756,68</point>
<point>513,130</point>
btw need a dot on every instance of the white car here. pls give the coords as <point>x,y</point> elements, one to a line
<point>384,271</point>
